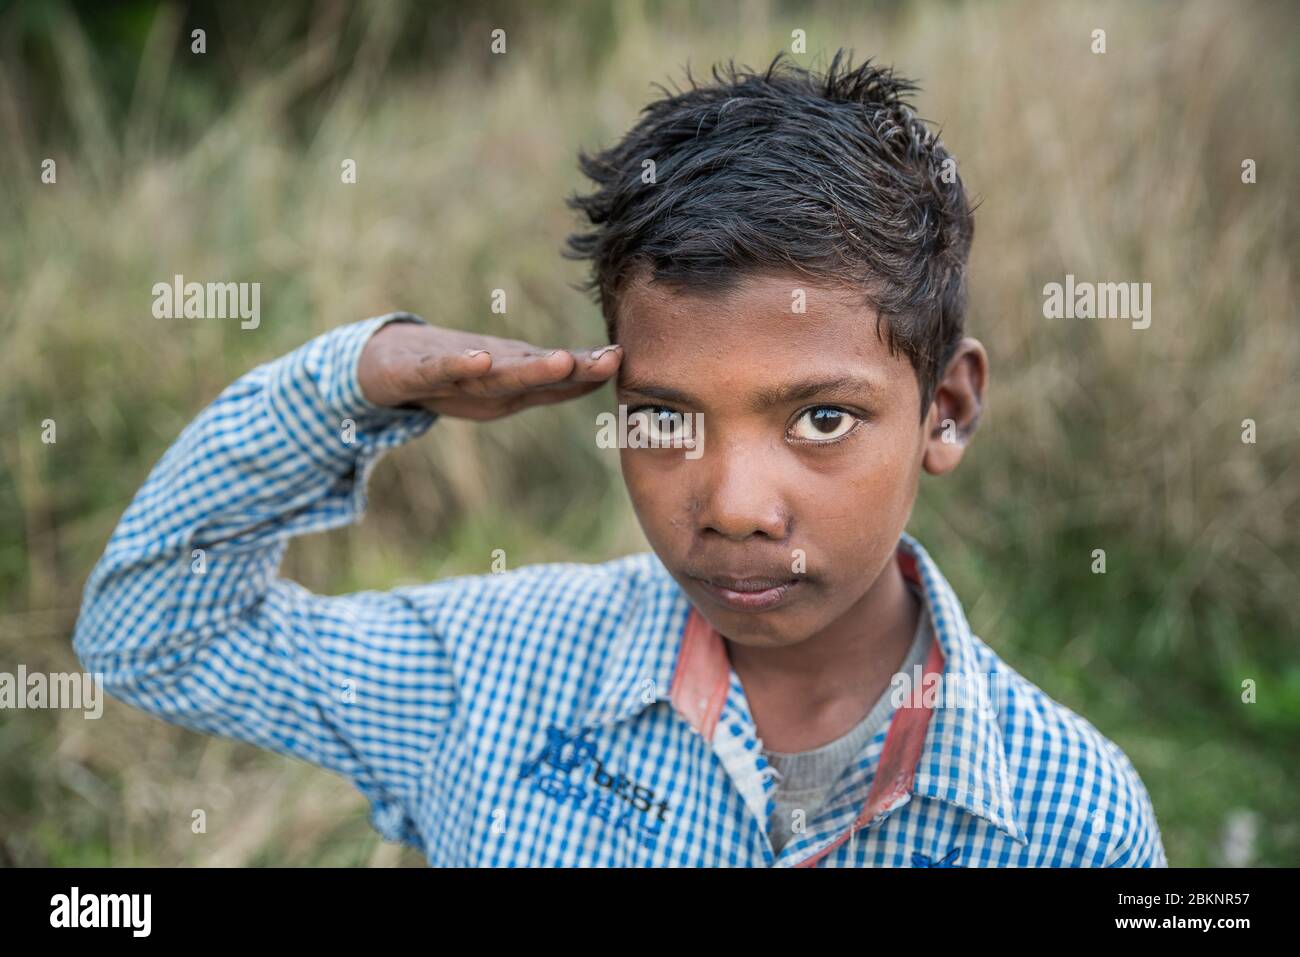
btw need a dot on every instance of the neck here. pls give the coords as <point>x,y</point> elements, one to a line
<point>804,695</point>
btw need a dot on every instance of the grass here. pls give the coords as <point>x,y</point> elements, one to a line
<point>1117,167</point>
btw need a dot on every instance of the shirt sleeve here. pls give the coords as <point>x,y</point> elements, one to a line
<point>1139,843</point>
<point>185,617</point>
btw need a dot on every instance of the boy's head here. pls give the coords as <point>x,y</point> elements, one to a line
<point>784,253</point>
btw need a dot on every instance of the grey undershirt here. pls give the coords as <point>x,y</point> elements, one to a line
<point>805,778</point>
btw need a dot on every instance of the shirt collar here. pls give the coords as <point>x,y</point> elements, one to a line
<point>964,760</point>
<point>656,657</point>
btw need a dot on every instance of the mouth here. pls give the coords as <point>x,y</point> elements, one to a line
<point>748,594</point>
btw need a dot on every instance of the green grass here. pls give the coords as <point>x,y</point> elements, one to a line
<point>1117,167</point>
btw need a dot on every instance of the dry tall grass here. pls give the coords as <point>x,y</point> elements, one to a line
<point>1117,167</point>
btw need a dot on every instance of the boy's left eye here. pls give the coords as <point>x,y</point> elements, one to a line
<point>823,423</point>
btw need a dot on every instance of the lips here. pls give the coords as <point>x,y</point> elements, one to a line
<point>747,593</point>
<point>744,584</point>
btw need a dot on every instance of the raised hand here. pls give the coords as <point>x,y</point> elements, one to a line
<point>471,376</point>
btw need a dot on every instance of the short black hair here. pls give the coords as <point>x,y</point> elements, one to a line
<point>828,175</point>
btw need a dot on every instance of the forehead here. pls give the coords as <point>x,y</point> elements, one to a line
<point>765,328</point>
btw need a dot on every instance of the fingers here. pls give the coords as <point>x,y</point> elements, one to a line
<point>433,371</point>
<point>485,408</point>
<point>596,365</point>
<point>557,369</point>
<point>589,365</point>
<point>535,397</point>
<point>520,373</point>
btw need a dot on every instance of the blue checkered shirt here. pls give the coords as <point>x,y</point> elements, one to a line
<point>544,715</point>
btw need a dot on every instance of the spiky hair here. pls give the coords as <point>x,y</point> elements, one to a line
<point>830,175</point>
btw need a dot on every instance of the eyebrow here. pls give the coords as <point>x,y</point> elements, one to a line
<point>768,397</point>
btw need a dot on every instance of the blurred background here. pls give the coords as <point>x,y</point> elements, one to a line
<point>1122,166</point>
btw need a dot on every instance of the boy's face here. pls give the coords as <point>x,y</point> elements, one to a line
<point>813,445</point>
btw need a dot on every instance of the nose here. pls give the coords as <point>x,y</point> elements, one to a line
<point>738,495</point>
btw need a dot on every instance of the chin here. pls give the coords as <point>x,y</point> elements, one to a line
<point>773,629</point>
<point>760,641</point>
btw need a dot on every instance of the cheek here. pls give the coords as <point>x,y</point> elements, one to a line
<point>652,498</point>
<point>889,469</point>
<point>860,507</point>
<point>883,485</point>
<point>633,477</point>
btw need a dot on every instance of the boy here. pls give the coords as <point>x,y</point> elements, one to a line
<point>774,684</point>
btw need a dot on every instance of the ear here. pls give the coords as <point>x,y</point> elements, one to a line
<point>955,411</point>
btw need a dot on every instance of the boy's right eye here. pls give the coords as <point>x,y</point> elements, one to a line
<point>658,423</point>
